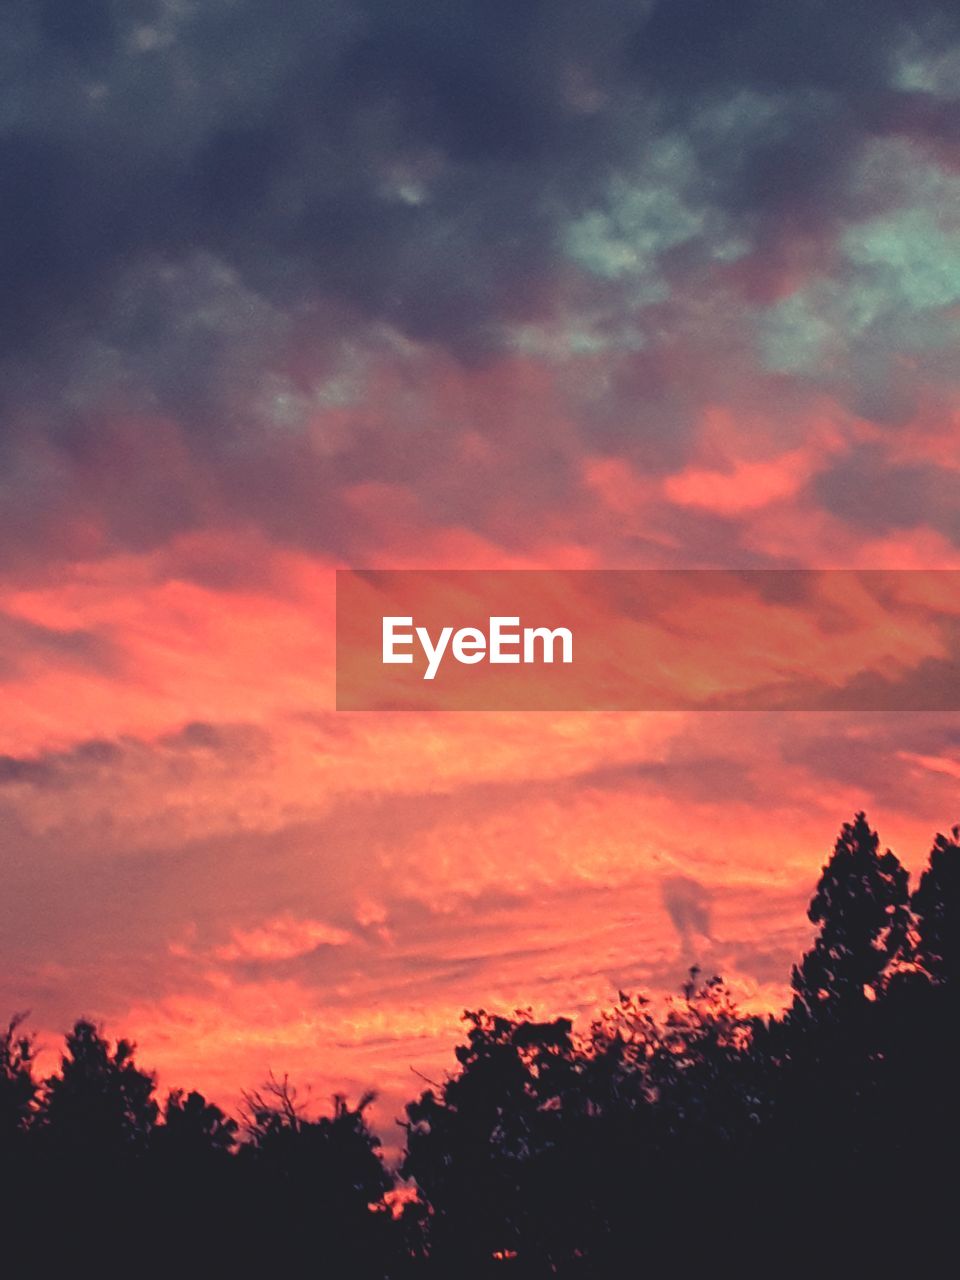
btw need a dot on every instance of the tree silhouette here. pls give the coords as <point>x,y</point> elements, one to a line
<point>936,908</point>
<point>667,1135</point>
<point>698,1069</point>
<point>489,1147</point>
<point>336,1155</point>
<point>861,906</point>
<point>18,1088</point>
<point>194,1129</point>
<point>317,1183</point>
<point>101,1104</point>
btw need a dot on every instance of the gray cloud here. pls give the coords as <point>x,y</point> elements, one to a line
<point>110,761</point>
<point>222,215</point>
<point>688,905</point>
<point>867,489</point>
<point>76,647</point>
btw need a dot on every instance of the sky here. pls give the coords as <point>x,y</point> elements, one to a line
<point>451,284</point>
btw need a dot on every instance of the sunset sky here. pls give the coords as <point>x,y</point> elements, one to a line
<point>447,284</point>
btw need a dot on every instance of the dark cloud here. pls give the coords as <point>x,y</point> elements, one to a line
<point>868,489</point>
<point>23,641</point>
<point>688,905</point>
<point>880,758</point>
<point>769,44</point>
<point>273,140</point>
<point>273,143</point>
<point>821,75</point>
<point>696,776</point>
<point>207,213</point>
<point>109,760</point>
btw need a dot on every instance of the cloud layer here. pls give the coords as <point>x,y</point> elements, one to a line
<point>458,284</point>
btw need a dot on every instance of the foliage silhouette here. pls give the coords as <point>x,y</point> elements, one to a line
<point>101,1104</point>
<point>662,1136</point>
<point>861,906</point>
<point>936,909</point>
<point>194,1130</point>
<point>18,1088</point>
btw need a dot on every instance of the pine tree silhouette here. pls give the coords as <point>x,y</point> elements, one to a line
<point>861,906</point>
<point>936,907</point>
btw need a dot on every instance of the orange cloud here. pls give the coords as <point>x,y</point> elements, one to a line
<point>281,938</point>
